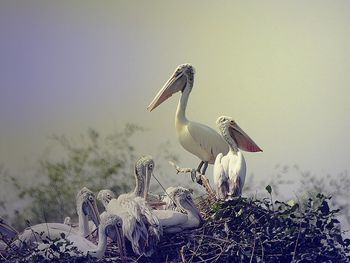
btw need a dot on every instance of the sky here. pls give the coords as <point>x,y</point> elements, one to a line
<point>279,68</point>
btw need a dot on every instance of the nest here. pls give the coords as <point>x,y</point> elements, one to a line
<point>248,230</point>
<point>251,230</point>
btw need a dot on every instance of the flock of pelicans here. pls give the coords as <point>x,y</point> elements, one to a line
<point>138,219</point>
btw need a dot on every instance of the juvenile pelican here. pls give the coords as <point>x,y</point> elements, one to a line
<point>6,230</point>
<point>105,196</point>
<point>174,221</point>
<point>169,198</point>
<point>140,226</point>
<point>230,169</point>
<point>198,139</point>
<point>86,209</point>
<point>111,226</point>
<point>7,233</point>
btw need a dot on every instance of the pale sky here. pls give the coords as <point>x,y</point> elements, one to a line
<point>280,68</point>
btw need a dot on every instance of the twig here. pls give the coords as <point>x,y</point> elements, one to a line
<point>202,178</point>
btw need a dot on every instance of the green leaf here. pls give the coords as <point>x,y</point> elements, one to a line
<point>268,189</point>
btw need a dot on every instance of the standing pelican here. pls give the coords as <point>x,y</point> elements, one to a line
<point>230,169</point>
<point>198,139</point>
<point>174,221</point>
<point>86,209</point>
<point>140,226</point>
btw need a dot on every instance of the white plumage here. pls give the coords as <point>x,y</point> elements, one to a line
<point>198,139</point>
<point>140,226</point>
<point>230,170</point>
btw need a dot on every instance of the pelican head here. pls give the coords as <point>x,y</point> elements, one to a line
<point>170,197</point>
<point>181,79</point>
<point>86,203</point>
<point>111,226</point>
<point>144,171</point>
<point>183,199</point>
<point>235,136</point>
<point>6,229</point>
<point>105,196</point>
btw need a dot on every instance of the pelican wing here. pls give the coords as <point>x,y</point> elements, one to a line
<point>237,173</point>
<point>220,178</point>
<point>208,140</point>
<point>168,218</point>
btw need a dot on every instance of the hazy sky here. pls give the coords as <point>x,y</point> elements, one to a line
<point>280,68</point>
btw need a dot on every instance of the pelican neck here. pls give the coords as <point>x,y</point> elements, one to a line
<point>181,107</point>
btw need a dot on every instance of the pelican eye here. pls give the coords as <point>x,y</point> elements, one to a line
<point>150,166</point>
<point>188,196</point>
<point>119,224</point>
<point>91,198</point>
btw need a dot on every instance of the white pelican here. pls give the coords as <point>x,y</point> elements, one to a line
<point>174,221</point>
<point>86,209</point>
<point>230,169</point>
<point>7,233</point>
<point>111,226</point>
<point>198,139</point>
<point>105,196</point>
<point>140,226</point>
<point>6,230</point>
<point>169,198</point>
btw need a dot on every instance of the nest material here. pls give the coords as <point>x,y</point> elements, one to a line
<point>250,230</point>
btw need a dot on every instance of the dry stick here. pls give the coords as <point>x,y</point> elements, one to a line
<point>203,178</point>
<point>251,258</point>
<point>163,188</point>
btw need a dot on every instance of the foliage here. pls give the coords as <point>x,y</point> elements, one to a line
<point>94,162</point>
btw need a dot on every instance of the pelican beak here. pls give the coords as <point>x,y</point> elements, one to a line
<point>121,243</point>
<point>94,214</point>
<point>148,180</point>
<point>7,230</point>
<point>196,211</point>
<point>176,83</point>
<point>244,142</point>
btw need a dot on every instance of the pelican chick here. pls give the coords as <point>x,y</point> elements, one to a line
<point>140,226</point>
<point>174,221</point>
<point>86,210</point>
<point>110,226</point>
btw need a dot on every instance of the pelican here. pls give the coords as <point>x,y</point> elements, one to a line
<point>174,221</point>
<point>86,209</point>
<point>6,230</point>
<point>111,226</point>
<point>230,169</point>
<point>196,138</point>
<point>7,233</point>
<point>140,226</point>
<point>169,198</point>
<point>105,196</point>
